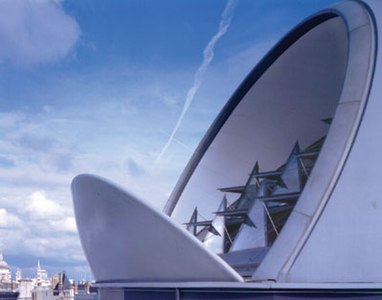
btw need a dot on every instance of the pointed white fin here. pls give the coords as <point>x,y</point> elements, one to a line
<point>126,240</point>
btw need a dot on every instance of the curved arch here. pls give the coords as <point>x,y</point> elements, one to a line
<point>318,220</point>
<point>352,61</point>
<point>235,99</point>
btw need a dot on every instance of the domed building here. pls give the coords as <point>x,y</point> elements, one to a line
<point>5,272</point>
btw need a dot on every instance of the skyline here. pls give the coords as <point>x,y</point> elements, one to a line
<point>101,91</point>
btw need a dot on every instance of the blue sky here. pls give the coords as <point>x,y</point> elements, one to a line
<point>91,86</point>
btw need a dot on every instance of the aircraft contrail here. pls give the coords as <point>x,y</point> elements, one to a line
<point>208,55</point>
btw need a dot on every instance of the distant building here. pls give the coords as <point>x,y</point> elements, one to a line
<point>55,279</point>
<point>63,289</point>
<point>84,291</point>
<point>58,287</point>
<point>42,293</point>
<point>42,276</point>
<point>19,275</point>
<point>5,272</point>
<point>26,287</point>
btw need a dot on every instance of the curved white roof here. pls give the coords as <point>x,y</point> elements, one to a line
<point>327,66</point>
<point>126,240</point>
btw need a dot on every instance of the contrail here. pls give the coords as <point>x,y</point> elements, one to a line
<point>208,55</point>
<point>178,141</point>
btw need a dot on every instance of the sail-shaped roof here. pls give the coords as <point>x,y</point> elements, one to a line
<point>325,188</point>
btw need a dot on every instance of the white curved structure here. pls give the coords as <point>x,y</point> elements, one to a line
<point>126,240</point>
<point>299,222</point>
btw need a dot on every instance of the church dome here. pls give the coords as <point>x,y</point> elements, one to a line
<point>3,265</point>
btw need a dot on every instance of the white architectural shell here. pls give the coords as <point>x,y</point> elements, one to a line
<point>327,65</point>
<point>126,240</point>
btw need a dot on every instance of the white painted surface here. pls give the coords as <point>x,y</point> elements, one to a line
<point>126,240</point>
<point>285,105</point>
<point>349,229</point>
<point>334,233</point>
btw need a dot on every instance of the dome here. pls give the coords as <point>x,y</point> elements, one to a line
<point>3,265</point>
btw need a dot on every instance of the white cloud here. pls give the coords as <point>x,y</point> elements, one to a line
<point>67,246</point>
<point>40,207</point>
<point>35,32</point>
<point>37,245</point>
<point>9,120</point>
<point>67,224</point>
<point>8,220</point>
